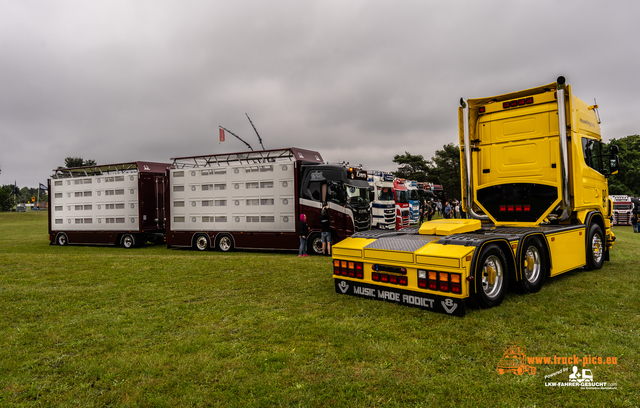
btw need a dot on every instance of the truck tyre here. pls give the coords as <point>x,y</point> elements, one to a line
<point>595,248</point>
<point>491,277</point>
<point>128,241</point>
<point>314,244</point>
<point>224,243</point>
<point>61,239</point>
<point>534,265</point>
<point>201,243</point>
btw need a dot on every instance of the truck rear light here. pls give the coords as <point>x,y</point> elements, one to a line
<point>387,278</point>
<point>482,109</point>
<point>517,102</point>
<point>433,280</point>
<point>348,268</point>
<point>359,273</point>
<point>443,281</point>
<point>517,208</point>
<point>422,278</point>
<point>456,286</point>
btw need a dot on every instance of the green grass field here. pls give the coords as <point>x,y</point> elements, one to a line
<point>102,326</point>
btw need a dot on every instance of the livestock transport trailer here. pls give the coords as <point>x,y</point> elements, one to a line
<point>254,200</point>
<point>111,204</point>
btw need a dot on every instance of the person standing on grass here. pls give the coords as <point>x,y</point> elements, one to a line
<point>430,210</point>
<point>634,222</point>
<point>326,231</point>
<point>423,210</point>
<point>303,232</point>
<point>446,212</point>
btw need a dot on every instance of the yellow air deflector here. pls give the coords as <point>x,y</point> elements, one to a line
<point>449,227</point>
<point>350,247</point>
<point>438,255</point>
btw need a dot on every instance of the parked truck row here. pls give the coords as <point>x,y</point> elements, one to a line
<point>222,201</point>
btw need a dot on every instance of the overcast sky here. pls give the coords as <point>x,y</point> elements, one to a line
<point>359,81</point>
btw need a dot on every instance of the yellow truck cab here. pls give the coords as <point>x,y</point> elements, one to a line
<point>534,182</point>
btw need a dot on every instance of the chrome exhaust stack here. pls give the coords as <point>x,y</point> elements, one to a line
<point>565,205</point>
<point>467,163</point>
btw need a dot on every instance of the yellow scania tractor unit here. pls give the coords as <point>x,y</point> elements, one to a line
<point>534,182</point>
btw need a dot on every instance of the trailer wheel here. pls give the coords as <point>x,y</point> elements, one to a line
<point>534,265</point>
<point>128,241</point>
<point>61,239</point>
<point>314,244</point>
<point>224,243</point>
<point>595,248</point>
<point>491,277</point>
<point>201,242</point>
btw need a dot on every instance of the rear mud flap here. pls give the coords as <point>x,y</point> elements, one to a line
<point>426,301</point>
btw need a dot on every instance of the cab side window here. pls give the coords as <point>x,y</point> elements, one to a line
<point>335,194</point>
<point>592,152</point>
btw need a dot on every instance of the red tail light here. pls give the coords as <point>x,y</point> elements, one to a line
<point>440,281</point>
<point>517,102</point>
<point>516,208</point>
<point>348,268</point>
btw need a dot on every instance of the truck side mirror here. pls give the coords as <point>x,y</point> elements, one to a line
<point>614,164</point>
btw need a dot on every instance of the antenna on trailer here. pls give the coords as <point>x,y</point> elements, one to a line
<point>254,128</point>
<point>238,137</point>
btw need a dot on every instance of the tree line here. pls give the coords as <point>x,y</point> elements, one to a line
<point>443,168</point>
<point>11,194</point>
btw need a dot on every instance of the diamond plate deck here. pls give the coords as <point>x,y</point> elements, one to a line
<point>404,243</point>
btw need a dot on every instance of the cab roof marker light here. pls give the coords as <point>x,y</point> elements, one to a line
<point>515,102</point>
